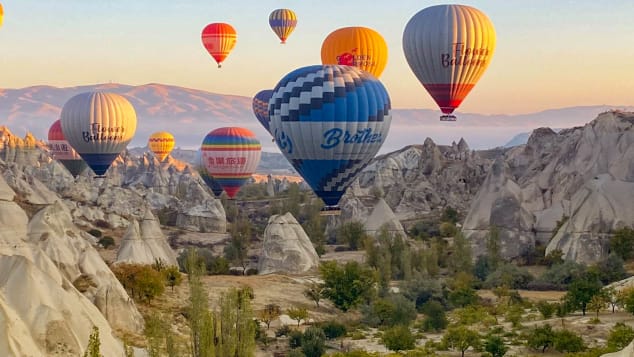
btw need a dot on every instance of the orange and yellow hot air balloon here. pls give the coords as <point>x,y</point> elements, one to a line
<point>360,47</point>
<point>219,39</point>
<point>1,15</point>
<point>448,47</point>
<point>283,22</point>
<point>161,144</point>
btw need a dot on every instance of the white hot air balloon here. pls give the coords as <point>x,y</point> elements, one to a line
<point>98,126</point>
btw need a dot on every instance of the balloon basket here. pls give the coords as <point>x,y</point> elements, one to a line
<point>99,176</point>
<point>448,117</point>
<point>330,211</point>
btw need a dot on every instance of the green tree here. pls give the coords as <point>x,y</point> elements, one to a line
<point>447,229</point>
<point>172,276</point>
<point>546,309</point>
<point>398,338</point>
<point>622,243</point>
<point>495,346</point>
<point>493,247</point>
<point>461,338</point>
<point>106,242</point>
<point>92,350</point>
<point>237,249</point>
<point>351,233</point>
<point>313,342</point>
<point>150,283</point>
<point>199,318</point>
<point>234,326</point>
<point>449,215</point>
<point>568,341</point>
<point>462,293</point>
<point>581,290</point>
<point>597,303</point>
<point>298,314</point>
<point>314,292</point>
<point>460,260</point>
<point>158,333</point>
<point>435,319</point>
<point>620,336</point>
<point>392,310</point>
<point>269,313</point>
<point>541,337</point>
<point>348,285</point>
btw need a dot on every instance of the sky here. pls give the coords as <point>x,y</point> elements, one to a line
<point>550,53</point>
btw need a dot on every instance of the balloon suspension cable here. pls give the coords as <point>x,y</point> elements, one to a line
<point>448,117</point>
<point>330,211</point>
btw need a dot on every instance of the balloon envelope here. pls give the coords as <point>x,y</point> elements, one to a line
<point>448,47</point>
<point>261,107</point>
<point>161,144</point>
<point>283,22</point>
<point>356,46</point>
<point>1,14</point>
<point>98,126</point>
<point>61,150</point>
<point>209,180</point>
<point>329,121</point>
<point>219,39</point>
<point>231,156</point>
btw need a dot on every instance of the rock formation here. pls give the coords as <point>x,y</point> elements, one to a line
<point>628,351</point>
<point>145,243</point>
<point>286,247</point>
<point>382,217</point>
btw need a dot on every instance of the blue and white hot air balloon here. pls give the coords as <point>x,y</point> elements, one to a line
<point>261,107</point>
<point>98,126</point>
<point>329,121</point>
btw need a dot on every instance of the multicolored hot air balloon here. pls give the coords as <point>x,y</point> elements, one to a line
<point>261,107</point>
<point>161,144</point>
<point>209,180</point>
<point>283,22</point>
<point>231,156</point>
<point>356,46</point>
<point>98,126</point>
<point>219,39</point>
<point>329,121</point>
<point>448,48</point>
<point>62,151</point>
<point>1,15</point>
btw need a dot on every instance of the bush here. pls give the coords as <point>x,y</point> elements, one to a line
<point>214,265</point>
<point>622,243</point>
<point>495,346</point>
<point>313,342</point>
<point>106,242</point>
<point>447,229</point>
<point>568,341</point>
<point>509,275</point>
<point>283,330</point>
<point>398,338</point>
<point>95,233</point>
<point>390,311</point>
<point>333,329</point>
<point>546,309</point>
<point>435,319</point>
<point>295,339</point>
<point>620,336</point>
<point>563,274</point>
<point>540,338</point>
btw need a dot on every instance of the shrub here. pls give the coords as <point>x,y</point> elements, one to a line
<point>83,283</point>
<point>546,309</point>
<point>214,265</point>
<point>540,338</point>
<point>622,243</point>
<point>447,229</point>
<point>620,336</point>
<point>509,275</point>
<point>398,338</point>
<point>435,319</point>
<point>495,346</point>
<point>106,242</point>
<point>333,329</point>
<point>295,339</point>
<point>313,342</point>
<point>568,341</point>
<point>390,311</point>
<point>563,274</point>
<point>95,233</point>
<point>283,330</point>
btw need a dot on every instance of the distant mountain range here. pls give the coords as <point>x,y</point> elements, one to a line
<point>190,113</point>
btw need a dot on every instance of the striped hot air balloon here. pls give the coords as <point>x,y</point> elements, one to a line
<point>356,46</point>
<point>261,107</point>
<point>98,126</point>
<point>61,150</point>
<point>283,22</point>
<point>219,39</point>
<point>161,144</point>
<point>231,156</point>
<point>213,185</point>
<point>448,47</point>
<point>329,121</point>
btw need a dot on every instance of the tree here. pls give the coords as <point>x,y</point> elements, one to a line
<point>461,255</point>
<point>622,243</point>
<point>313,342</point>
<point>620,336</point>
<point>150,284</point>
<point>597,303</point>
<point>298,314</point>
<point>461,338</point>
<point>351,233</point>
<point>314,292</point>
<point>612,296</point>
<point>495,346</point>
<point>237,249</point>
<point>198,314</point>
<point>541,337</point>
<point>581,290</point>
<point>92,350</point>
<point>611,269</point>
<point>546,309</point>
<point>234,327</point>
<point>435,319</point>
<point>462,293</point>
<point>493,247</point>
<point>392,310</point>
<point>172,276</point>
<point>398,338</point>
<point>348,285</point>
<point>447,229</point>
<point>269,313</point>
<point>449,215</point>
<point>568,341</point>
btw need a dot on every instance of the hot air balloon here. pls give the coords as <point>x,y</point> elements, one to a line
<point>1,15</point>
<point>98,126</point>
<point>355,46</point>
<point>329,121</point>
<point>231,156</point>
<point>219,39</point>
<point>62,151</point>
<point>161,144</point>
<point>448,47</point>
<point>261,107</point>
<point>209,180</point>
<point>283,22</point>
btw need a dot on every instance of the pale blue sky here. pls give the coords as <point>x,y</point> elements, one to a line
<point>549,54</point>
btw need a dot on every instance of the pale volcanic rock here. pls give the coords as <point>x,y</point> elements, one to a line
<point>145,243</point>
<point>286,247</point>
<point>628,351</point>
<point>52,230</point>
<point>382,217</point>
